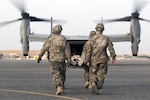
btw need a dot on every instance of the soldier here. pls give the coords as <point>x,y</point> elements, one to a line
<point>97,58</point>
<point>59,49</point>
<point>82,60</point>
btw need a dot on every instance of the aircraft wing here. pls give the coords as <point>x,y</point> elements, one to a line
<point>72,39</point>
<point>77,42</point>
<point>120,37</point>
<point>38,37</point>
<point>80,39</point>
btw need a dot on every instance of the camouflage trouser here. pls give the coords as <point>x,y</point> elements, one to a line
<point>86,73</point>
<point>58,70</point>
<point>98,73</point>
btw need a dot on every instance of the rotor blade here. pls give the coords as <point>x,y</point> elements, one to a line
<point>139,4</point>
<point>128,18</point>
<point>19,4</point>
<point>2,24</point>
<point>34,19</point>
<point>144,19</point>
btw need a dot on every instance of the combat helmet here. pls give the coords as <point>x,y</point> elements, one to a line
<point>99,27</point>
<point>57,29</point>
<point>92,33</point>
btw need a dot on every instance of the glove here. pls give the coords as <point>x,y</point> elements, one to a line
<point>39,59</point>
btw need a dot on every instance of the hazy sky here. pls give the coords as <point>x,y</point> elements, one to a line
<point>80,16</point>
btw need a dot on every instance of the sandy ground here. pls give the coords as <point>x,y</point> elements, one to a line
<point>32,53</point>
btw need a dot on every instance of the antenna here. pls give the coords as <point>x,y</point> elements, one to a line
<point>102,20</point>
<point>51,24</point>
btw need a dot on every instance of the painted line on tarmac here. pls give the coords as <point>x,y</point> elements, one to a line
<point>37,93</point>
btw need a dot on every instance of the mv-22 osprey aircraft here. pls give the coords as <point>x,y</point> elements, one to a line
<point>77,42</point>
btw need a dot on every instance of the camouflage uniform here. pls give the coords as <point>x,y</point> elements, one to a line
<point>48,53</point>
<point>59,50</point>
<point>80,63</point>
<point>98,58</point>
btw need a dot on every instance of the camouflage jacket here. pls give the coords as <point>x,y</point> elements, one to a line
<point>83,55</point>
<point>84,50</point>
<point>97,50</point>
<point>85,47</point>
<point>58,47</point>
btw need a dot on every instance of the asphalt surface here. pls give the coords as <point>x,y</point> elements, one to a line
<point>28,80</point>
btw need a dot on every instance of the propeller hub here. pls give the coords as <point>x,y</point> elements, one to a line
<point>135,15</point>
<point>25,15</point>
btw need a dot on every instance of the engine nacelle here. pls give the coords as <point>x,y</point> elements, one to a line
<point>24,34</point>
<point>134,47</point>
<point>135,36</point>
<point>25,46</point>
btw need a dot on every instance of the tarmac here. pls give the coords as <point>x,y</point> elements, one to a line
<point>28,80</point>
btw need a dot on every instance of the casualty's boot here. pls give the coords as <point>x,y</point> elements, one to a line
<point>95,90</point>
<point>86,84</point>
<point>59,90</point>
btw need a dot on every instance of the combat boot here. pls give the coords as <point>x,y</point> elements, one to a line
<point>86,85</point>
<point>59,90</point>
<point>95,90</point>
<point>90,86</point>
